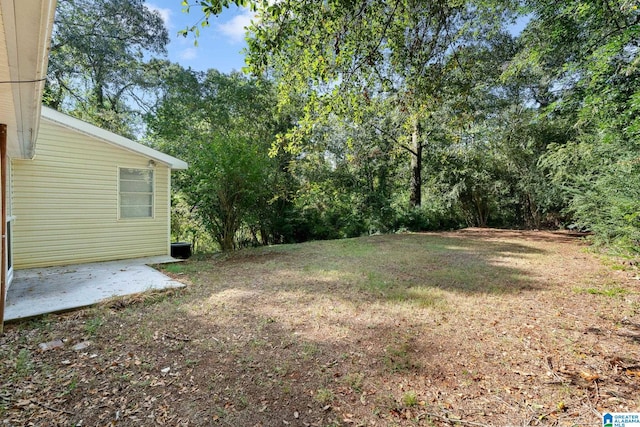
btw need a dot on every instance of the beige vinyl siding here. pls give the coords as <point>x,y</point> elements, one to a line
<point>65,203</point>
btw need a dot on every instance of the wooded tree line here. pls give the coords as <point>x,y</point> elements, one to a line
<point>376,115</point>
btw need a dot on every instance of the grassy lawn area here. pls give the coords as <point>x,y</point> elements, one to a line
<point>477,327</point>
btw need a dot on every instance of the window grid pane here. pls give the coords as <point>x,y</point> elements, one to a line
<point>136,193</point>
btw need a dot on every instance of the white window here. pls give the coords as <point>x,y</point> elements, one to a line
<point>136,193</point>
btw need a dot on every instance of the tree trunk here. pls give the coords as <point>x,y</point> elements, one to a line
<point>99,94</point>
<point>415,196</point>
<point>534,212</point>
<point>482,210</point>
<point>227,238</point>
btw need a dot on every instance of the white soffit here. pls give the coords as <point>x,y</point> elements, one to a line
<point>111,138</point>
<point>25,36</point>
<point>7,110</point>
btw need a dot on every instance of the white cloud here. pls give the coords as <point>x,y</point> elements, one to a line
<point>235,28</point>
<point>164,13</point>
<point>188,53</point>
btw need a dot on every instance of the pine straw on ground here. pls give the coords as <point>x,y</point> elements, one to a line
<point>472,328</point>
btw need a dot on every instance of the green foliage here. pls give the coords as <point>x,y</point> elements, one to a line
<point>590,55</point>
<point>324,396</point>
<point>410,399</point>
<point>209,8</point>
<point>423,115</point>
<point>433,215</point>
<point>93,325</point>
<point>23,363</point>
<point>345,181</point>
<point>608,292</point>
<point>186,226</point>
<point>97,68</point>
<point>223,125</point>
<point>228,177</point>
<point>603,182</point>
<point>347,60</point>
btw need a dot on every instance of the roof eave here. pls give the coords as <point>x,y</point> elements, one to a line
<point>27,27</point>
<point>112,138</point>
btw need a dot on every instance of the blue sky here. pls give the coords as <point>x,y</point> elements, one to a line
<point>219,45</point>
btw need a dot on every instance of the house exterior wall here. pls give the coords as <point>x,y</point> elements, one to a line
<point>65,203</point>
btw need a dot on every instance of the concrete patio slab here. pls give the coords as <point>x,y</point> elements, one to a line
<point>48,290</point>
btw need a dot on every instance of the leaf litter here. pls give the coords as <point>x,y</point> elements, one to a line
<point>477,327</point>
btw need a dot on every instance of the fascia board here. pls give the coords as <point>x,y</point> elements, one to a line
<point>27,26</point>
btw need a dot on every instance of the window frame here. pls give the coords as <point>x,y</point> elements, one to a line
<point>153,194</point>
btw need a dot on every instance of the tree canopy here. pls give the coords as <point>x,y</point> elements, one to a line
<point>224,126</point>
<point>97,65</point>
<point>587,53</point>
<point>378,116</point>
<point>344,56</point>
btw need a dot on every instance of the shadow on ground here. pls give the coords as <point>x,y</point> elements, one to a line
<point>411,267</point>
<point>392,330</point>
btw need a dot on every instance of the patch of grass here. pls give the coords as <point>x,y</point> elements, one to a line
<point>262,324</point>
<point>410,399</point>
<point>281,370</point>
<point>609,291</point>
<point>398,357</point>
<point>43,323</point>
<point>257,343</point>
<point>23,363</point>
<point>376,283</point>
<point>70,386</point>
<point>243,401</point>
<point>474,277</point>
<point>354,248</point>
<point>195,264</point>
<point>191,363</point>
<point>619,267</point>
<point>143,334</point>
<point>92,325</point>
<point>177,268</point>
<point>418,296</point>
<point>309,350</point>
<point>157,297</point>
<point>355,381</point>
<point>142,384</point>
<point>218,413</point>
<point>285,388</point>
<point>324,396</point>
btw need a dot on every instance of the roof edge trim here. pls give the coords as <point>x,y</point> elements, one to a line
<point>111,138</point>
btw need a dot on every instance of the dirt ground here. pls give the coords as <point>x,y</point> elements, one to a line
<point>473,328</point>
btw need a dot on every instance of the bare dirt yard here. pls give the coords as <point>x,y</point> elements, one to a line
<point>471,328</point>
